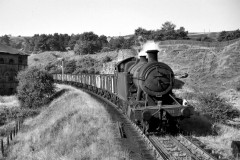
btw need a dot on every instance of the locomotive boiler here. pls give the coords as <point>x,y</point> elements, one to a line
<point>145,89</point>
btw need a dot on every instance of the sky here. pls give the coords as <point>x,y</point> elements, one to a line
<point>115,17</point>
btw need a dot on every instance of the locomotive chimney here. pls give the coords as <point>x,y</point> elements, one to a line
<point>143,59</point>
<point>152,55</point>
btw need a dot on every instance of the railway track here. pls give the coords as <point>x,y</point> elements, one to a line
<point>165,147</point>
<point>132,131</point>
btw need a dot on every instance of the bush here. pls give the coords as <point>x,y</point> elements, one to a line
<point>36,59</point>
<point>106,49</point>
<point>238,86</point>
<point>106,59</point>
<point>35,88</point>
<point>85,64</point>
<point>70,66</point>
<point>216,108</point>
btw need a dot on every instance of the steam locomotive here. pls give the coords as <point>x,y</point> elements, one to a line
<point>142,89</point>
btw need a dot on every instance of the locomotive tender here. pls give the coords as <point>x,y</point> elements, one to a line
<point>142,88</point>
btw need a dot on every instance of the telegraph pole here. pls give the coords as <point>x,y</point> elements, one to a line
<point>62,66</point>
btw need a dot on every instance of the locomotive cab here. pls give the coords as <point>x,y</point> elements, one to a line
<point>123,78</point>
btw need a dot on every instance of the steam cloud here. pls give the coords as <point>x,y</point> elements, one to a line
<point>149,45</point>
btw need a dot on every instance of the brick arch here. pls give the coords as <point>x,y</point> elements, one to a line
<point>6,76</point>
<point>1,61</point>
<point>11,61</point>
<point>10,75</point>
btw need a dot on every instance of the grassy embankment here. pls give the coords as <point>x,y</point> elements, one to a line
<point>100,62</point>
<point>73,126</point>
<point>210,70</point>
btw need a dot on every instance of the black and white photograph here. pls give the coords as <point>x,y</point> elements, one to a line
<point>119,79</point>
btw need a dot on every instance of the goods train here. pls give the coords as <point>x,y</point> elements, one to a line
<point>142,89</point>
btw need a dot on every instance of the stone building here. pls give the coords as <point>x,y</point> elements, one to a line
<point>11,61</point>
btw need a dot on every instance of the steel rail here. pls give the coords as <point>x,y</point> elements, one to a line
<point>194,149</point>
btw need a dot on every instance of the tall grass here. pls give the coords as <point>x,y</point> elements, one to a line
<point>74,126</point>
<point>222,142</point>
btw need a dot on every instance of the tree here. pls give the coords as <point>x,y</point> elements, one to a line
<point>103,41</point>
<point>222,35</point>
<point>42,44</point>
<point>5,40</point>
<point>70,66</point>
<point>168,26</point>
<point>53,42</point>
<point>73,40</point>
<point>143,33</point>
<point>157,35</point>
<point>182,34</point>
<point>167,32</point>
<point>88,43</point>
<point>226,36</point>
<point>128,43</point>
<point>116,43</point>
<point>35,87</point>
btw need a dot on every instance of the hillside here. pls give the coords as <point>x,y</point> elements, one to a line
<point>197,35</point>
<point>209,69</point>
<point>102,62</point>
<point>73,126</point>
<point>215,69</point>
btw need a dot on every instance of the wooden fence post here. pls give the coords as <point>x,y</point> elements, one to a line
<point>14,131</point>
<point>11,135</point>
<point>16,127</point>
<point>8,140</point>
<point>19,125</point>
<point>2,149</point>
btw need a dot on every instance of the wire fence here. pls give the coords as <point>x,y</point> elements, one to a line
<point>6,141</point>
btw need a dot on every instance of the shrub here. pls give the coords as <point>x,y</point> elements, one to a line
<point>86,63</point>
<point>238,85</point>
<point>35,88</point>
<point>106,49</point>
<point>106,59</point>
<point>70,66</point>
<point>35,59</point>
<point>91,71</point>
<point>216,108</point>
<point>52,67</point>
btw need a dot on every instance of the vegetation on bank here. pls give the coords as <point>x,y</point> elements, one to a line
<point>35,87</point>
<point>91,43</point>
<point>71,66</point>
<point>73,126</point>
<point>217,109</point>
